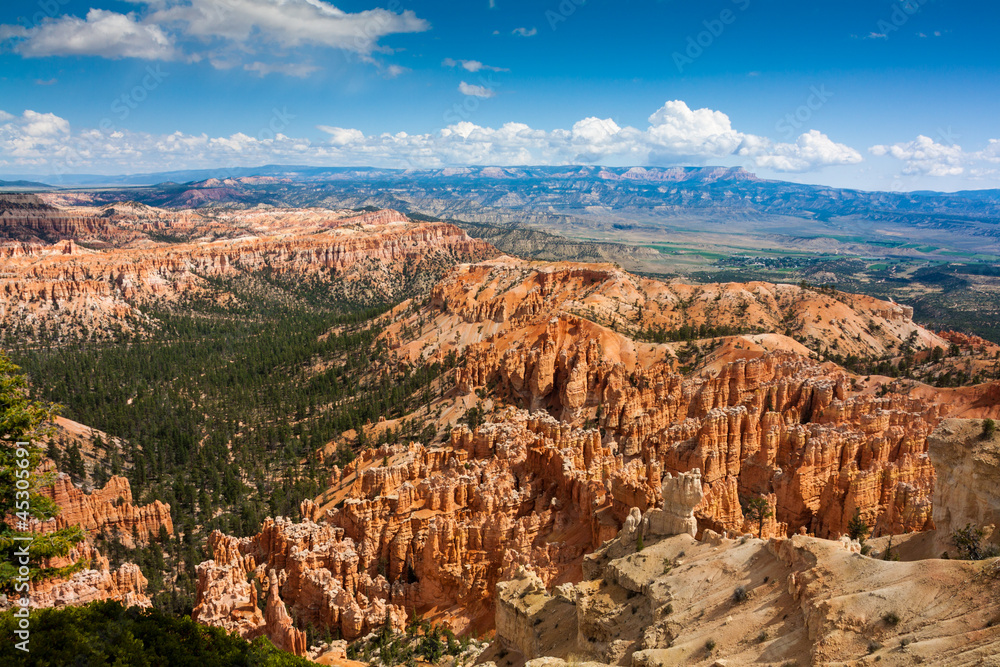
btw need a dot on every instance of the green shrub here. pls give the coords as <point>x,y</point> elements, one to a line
<point>971,544</point>
<point>106,633</point>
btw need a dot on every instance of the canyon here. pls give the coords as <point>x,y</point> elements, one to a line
<point>86,272</point>
<point>586,411</point>
<point>583,420</point>
<point>655,595</point>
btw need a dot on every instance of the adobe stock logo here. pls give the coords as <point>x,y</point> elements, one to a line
<point>127,102</point>
<point>793,122</point>
<point>698,43</point>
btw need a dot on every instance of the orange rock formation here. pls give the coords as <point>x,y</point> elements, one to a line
<point>110,510</point>
<point>604,417</point>
<point>70,289</point>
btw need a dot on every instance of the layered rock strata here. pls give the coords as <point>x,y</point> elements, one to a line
<point>110,510</point>
<point>160,255</point>
<point>97,581</point>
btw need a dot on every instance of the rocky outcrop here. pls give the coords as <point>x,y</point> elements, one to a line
<point>609,433</point>
<point>681,495</point>
<point>750,601</point>
<point>110,511</point>
<point>435,527</point>
<point>278,624</point>
<point>777,424</point>
<point>96,582</point>
<point>968,468</point>
<point>152,254</point>
<point>757,421</point>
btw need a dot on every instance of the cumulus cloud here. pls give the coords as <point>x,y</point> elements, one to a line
<point>103,33</point>
<point>474,90</point>
<point>677,130</point>
<point>340,136</point>
<point>679,133</point>
<point>223,32</point>
<point>811,149</point>
<point>471,65</point>
<point>32,138</point>
<point>288,23</point>
<point>676,134</point>
<point>924,156</point>
<point>525,32</point>
<point>992,151</point>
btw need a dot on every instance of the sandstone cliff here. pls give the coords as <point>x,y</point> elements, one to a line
<point>110,511</point>
<point>968,489</point>
<point>435,528</point>
<point>97,581</point>
<point>151,254</point>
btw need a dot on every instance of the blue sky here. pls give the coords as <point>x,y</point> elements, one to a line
<point>876,95</point>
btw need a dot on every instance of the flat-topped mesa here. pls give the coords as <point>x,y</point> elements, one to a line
<point>109,510</point>
<point>26,217</point>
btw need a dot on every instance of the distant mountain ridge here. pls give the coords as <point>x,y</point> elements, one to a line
<point>24,185</point>
<point>578,201</point>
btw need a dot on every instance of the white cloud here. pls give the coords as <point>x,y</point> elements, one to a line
<point>525,32</point>
<point>680,134</point>
<point>811,150</point>
<point>676,134</point>
<point>340,136</point>
<point>392,71</point>
<point>103,33</point>
<point>226,33</point>
<point>32,138</point>
<point>474,90</point>
<point>676,130</point>
<point>992,151</point>
<point>471,65</point>
<point>299,70</point>
<point>925,156</point>
<point>35,124</point>
<point>288,23</point>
